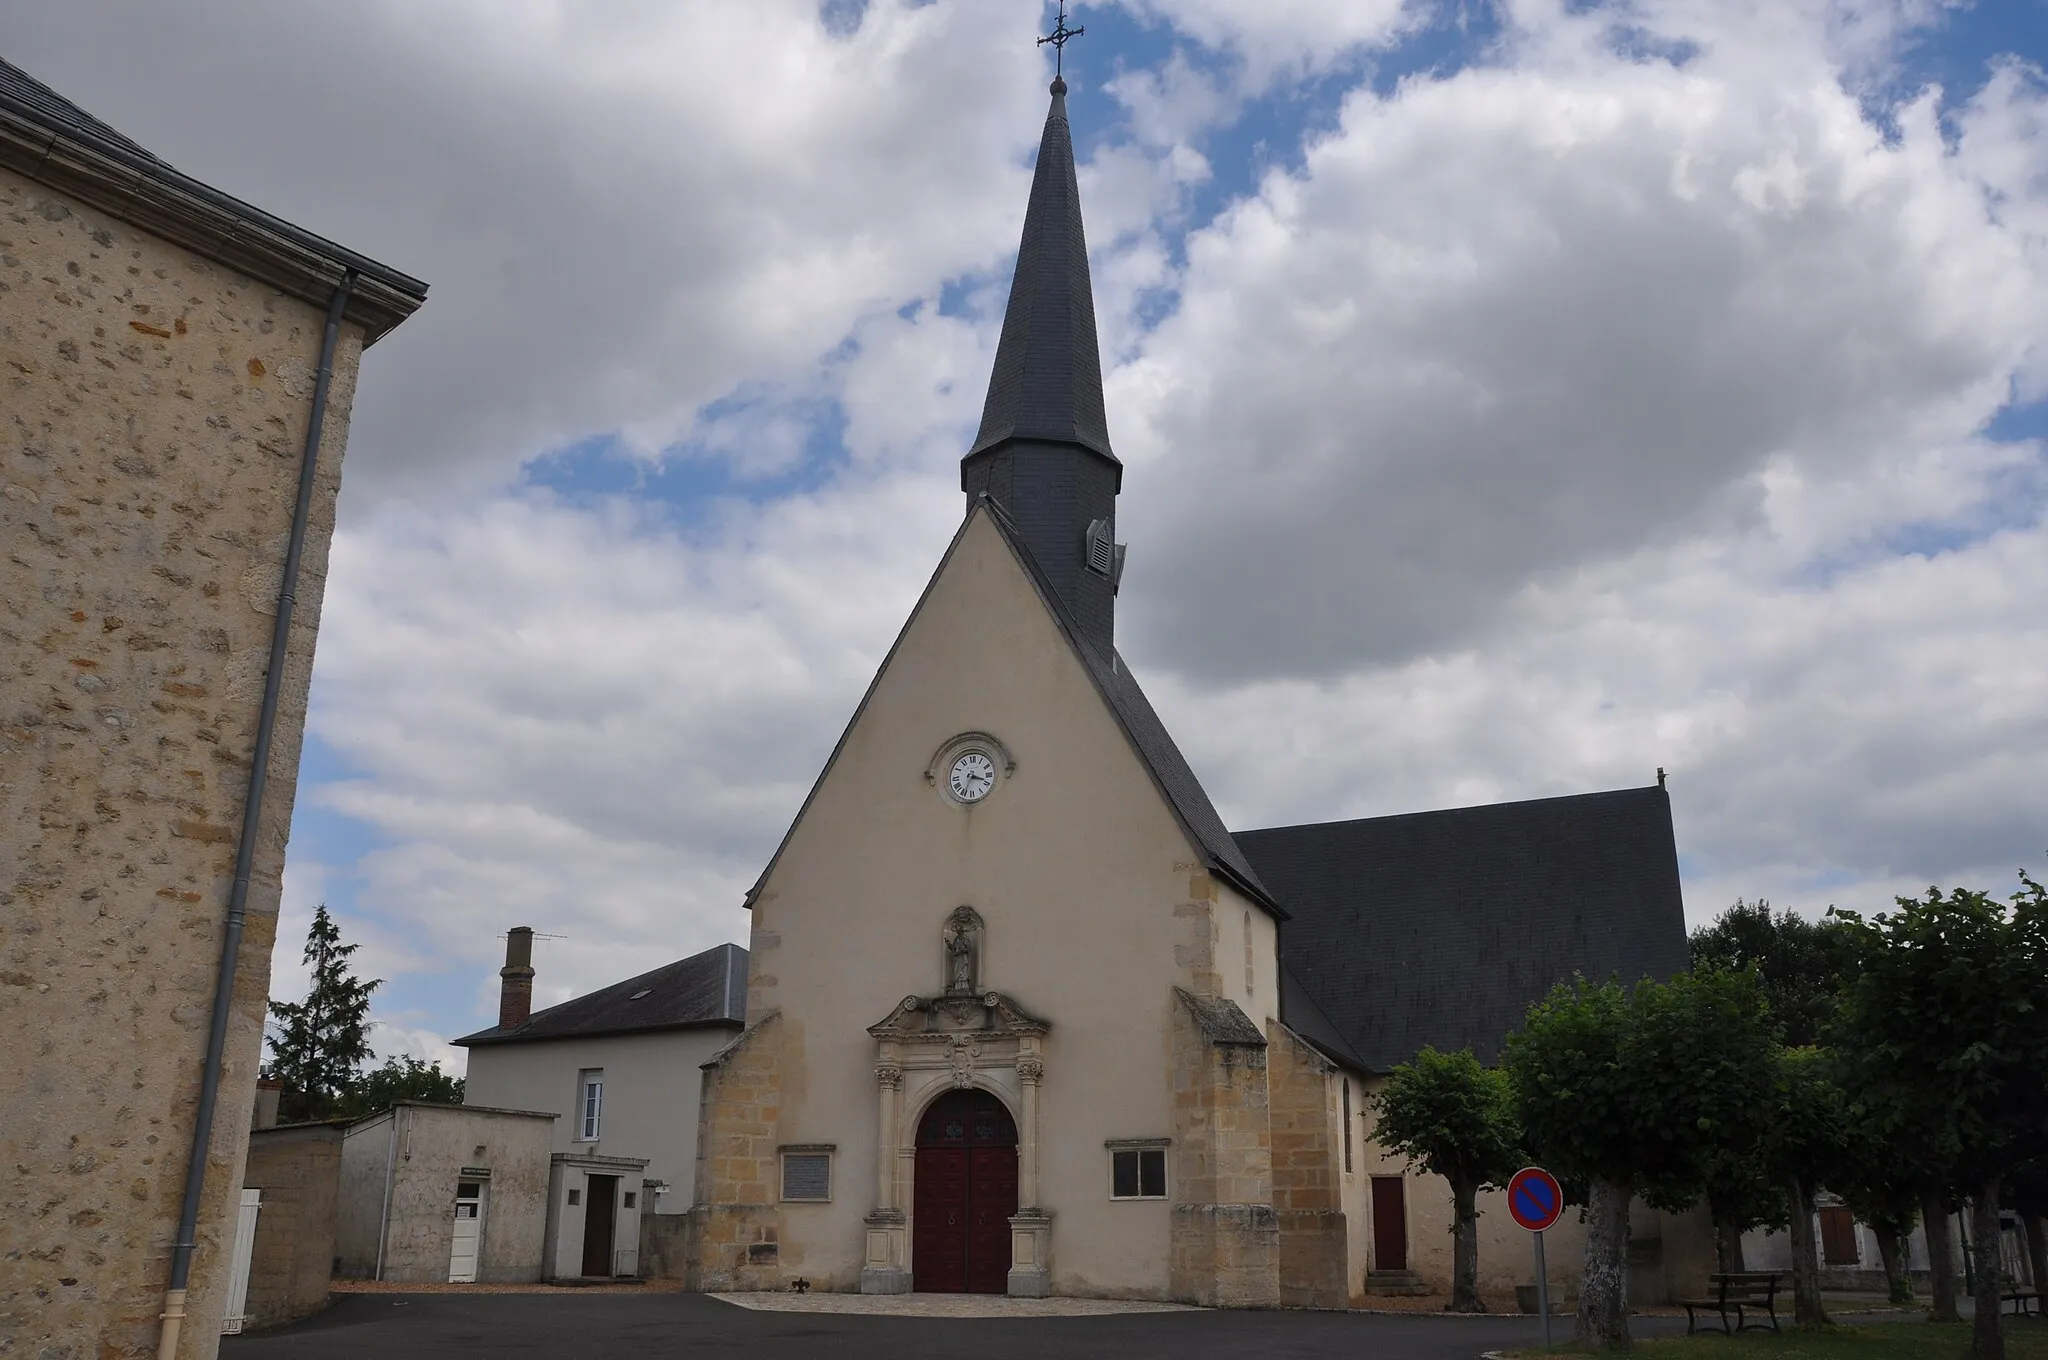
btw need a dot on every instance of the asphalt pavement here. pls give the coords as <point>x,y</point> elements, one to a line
<point>572,1326</point>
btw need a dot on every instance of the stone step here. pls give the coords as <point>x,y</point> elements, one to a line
<point>1395,1283</point>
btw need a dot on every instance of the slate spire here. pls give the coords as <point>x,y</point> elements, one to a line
<point>1043,452</point>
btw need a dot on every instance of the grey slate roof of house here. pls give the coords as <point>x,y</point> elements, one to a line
<point>19,87</point>
<point>57,144</point>
<point>705,989</point>
<point>1440,928</point>
<point>1047,380</point>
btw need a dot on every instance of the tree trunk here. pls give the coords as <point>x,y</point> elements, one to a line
<point>1465,1250</point>
<point>1987,1337</point>
<point>2037,1250</point>
<point>1891,1248</point>
<point>1941,1255</point>
<point>1806,1306</point>
<point>1728,1248</point>
<point>1603,1284</point>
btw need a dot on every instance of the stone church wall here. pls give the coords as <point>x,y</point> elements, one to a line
<point>1307,1166</point>
<point>154,413</point>
<point>1225,1234</point>
<point>735,1232</point>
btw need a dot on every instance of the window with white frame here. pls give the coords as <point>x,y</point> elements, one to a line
<point>1137,1168</point>
<point>589,1103</point>
<point>806,1172</point>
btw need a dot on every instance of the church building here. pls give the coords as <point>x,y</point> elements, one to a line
<point>1022,1016</point>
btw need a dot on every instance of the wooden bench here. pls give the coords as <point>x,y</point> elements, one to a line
<point>1738,1292</point>
<point>2020,1298</point>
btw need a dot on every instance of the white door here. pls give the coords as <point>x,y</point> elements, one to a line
<point>238,1276</point>
<point>469,1232</point>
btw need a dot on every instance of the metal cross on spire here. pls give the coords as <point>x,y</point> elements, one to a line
<point>1059,38</point>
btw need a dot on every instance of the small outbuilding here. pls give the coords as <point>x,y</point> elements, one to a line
<point>444,1193</point>
<point>293,1173</point>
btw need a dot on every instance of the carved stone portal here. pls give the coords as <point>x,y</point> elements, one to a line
<point>962,939</point>
<point>926,1046</point>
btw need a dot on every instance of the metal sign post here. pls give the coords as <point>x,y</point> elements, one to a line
<point>1535,1200</point>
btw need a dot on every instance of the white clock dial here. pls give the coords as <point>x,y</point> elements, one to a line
<point>974,774</point>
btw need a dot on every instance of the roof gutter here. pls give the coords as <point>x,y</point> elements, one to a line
<point>245,851</point>
<point>143,191</point>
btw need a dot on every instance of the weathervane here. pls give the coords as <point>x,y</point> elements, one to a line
<point>1058,38</point>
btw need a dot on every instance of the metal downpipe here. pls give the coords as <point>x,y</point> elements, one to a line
<point>173,1316</point>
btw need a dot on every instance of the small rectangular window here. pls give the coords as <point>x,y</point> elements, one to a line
<point>1137,1173</point>
<point>807,1176</point>
<point>632,1198</point>
<point>575,1198</point>
<point>590,1104</point>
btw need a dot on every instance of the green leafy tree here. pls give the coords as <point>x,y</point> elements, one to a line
<point>1453,1117</point>
<point>1633,1091</point>
<point>400,1078</point>
<point>1741,1195</point>
<point>1881,1189</point>
<point>1948,1011</point>
<point>1799,963</point>
<point>1806,1143</point>
<point>321,1043</point>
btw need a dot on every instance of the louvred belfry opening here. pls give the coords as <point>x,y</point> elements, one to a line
<point>965,1196</point>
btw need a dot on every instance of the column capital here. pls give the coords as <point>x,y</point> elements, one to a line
<point>1030,1070</point>
<point>889,1076</point>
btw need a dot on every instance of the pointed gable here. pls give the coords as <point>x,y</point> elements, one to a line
<point>1154,747</point>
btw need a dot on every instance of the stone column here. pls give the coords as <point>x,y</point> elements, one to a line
<point>1031,1229</point>
<point>885,1269</point>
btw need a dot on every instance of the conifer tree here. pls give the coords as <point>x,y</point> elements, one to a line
<point>322,1042</point>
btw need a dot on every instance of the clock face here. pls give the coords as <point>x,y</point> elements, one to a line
<point>974,774</point>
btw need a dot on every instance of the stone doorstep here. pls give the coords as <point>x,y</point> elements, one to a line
<point>942,1305</point>
<point>1399,1283</point>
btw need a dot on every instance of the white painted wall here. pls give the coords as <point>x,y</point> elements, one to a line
<point>652,1088</point>
<point>1095,903</point>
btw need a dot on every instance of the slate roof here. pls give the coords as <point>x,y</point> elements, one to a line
<point>46,106</point>
<point>703,990</point>
<point>1440,928</point>
<point>1047,381</point>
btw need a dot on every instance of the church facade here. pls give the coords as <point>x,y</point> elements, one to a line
<point>1019,1012</point>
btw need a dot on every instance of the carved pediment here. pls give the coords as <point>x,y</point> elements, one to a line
<point>942,1019</point>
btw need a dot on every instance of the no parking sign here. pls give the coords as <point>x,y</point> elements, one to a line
<point>1535,1200</point>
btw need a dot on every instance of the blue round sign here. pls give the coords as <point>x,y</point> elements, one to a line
<point>1535,1199</point>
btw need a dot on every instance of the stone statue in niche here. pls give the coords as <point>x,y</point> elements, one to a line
<point>962,938</point>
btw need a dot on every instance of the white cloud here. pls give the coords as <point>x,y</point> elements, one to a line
<point>1561,418</point>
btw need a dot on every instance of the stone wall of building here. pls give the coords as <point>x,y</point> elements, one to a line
<point>153,417</point>
<point>1225,1236</point>
<point>735,1228</point>
<point>1307,1156</point>
<point>298,1169</point>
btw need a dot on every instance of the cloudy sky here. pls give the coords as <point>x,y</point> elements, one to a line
<point>1516,397</point>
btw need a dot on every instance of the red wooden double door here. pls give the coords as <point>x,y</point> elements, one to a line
<point>965,1196</point>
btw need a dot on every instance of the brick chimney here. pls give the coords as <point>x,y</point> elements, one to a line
<point>515,997</point>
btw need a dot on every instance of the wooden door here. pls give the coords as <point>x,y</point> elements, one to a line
<point>964,1196</point>
<point>1389,1224</point>
<point>991,1204</point>
<point>1838,1237</point>
<point>600,1205</point>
